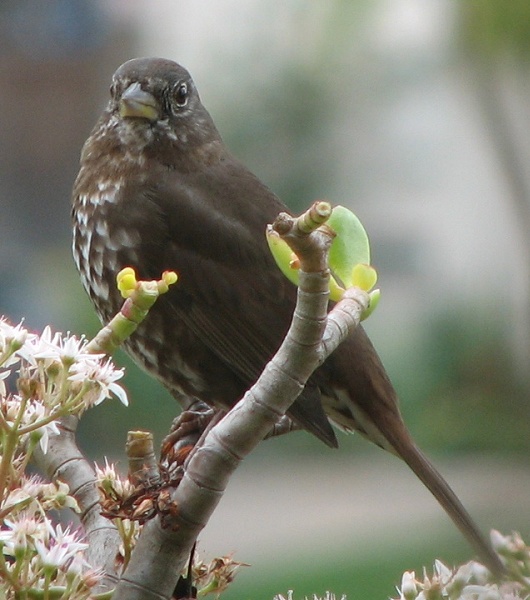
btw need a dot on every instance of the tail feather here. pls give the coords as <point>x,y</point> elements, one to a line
<point>364,399</point>
<point>449,501</point>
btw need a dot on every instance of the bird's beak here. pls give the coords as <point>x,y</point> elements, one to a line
<point>137,103</point>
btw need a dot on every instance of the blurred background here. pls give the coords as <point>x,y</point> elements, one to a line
<point>415,114</point>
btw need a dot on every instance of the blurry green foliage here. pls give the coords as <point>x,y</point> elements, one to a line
<point>489,27</point>
<point>473,397</point>
<point>359,572</point>
<point>103,430</point>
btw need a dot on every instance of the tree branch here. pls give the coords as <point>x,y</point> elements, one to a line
<point>164,545</point>
<point>64,461</point>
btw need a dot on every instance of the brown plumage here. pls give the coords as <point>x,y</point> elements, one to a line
<point>159,190</point>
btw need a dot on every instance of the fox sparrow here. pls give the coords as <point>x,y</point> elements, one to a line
<point>159,190</point>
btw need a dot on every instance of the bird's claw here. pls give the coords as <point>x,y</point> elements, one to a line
<point>186,431</point>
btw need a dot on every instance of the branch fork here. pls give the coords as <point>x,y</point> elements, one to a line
<point>165,543</point>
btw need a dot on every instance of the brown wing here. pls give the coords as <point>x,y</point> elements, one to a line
<point>210,228</point>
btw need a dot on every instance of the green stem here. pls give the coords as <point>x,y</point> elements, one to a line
<point>6,354</point>
<point>4,571</point>
<point>6,464</point>
<point>70,407</point>
<point>10,442</point>
<point>4,425</point>
<point>64,388</point>
<point>208,589</point>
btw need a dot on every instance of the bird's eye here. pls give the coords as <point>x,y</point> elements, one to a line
<point>181,94</point>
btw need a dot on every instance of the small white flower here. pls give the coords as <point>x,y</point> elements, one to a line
<point>103,376</point>
<point>57,495</point>
<point>478,573</point>
<point>444,573</point>
<point>45,432</point>
<point>24,495</point>
<point>37,345</point>
<point>20,533</point>
<point>12,340</point>
<point>78,567</point>
<point>74,349</point>
<point>50,347</point>
<point>61,548</point>
<point>409,589</point>
<point>499,542</point>
<point>111,483</point>
<point>11,406</point>
<point>34,412</point>
<point>10,334</point>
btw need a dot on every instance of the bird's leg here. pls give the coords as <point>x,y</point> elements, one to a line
<point>283,425</point>
<point>186,430</point>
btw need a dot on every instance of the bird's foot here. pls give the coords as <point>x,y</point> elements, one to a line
<point>186,430</point>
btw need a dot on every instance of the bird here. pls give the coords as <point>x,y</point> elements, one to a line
<point>159,190</point>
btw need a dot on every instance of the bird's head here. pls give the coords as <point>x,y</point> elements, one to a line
<point>154,101</point>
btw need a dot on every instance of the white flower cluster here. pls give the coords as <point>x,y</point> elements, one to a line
<point>469,582</point>
<point>55,376</point>
<point>40,560</point>
<point>473,581</point>
<point>37,558</point>
<point>327,596</point>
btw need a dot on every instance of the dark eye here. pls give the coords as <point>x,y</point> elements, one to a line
<point>181,94</point>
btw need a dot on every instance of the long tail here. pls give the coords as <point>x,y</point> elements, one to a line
<point>441,490</point>
<point>368,403</point>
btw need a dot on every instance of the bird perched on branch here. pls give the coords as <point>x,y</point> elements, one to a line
<point>158,190</point>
